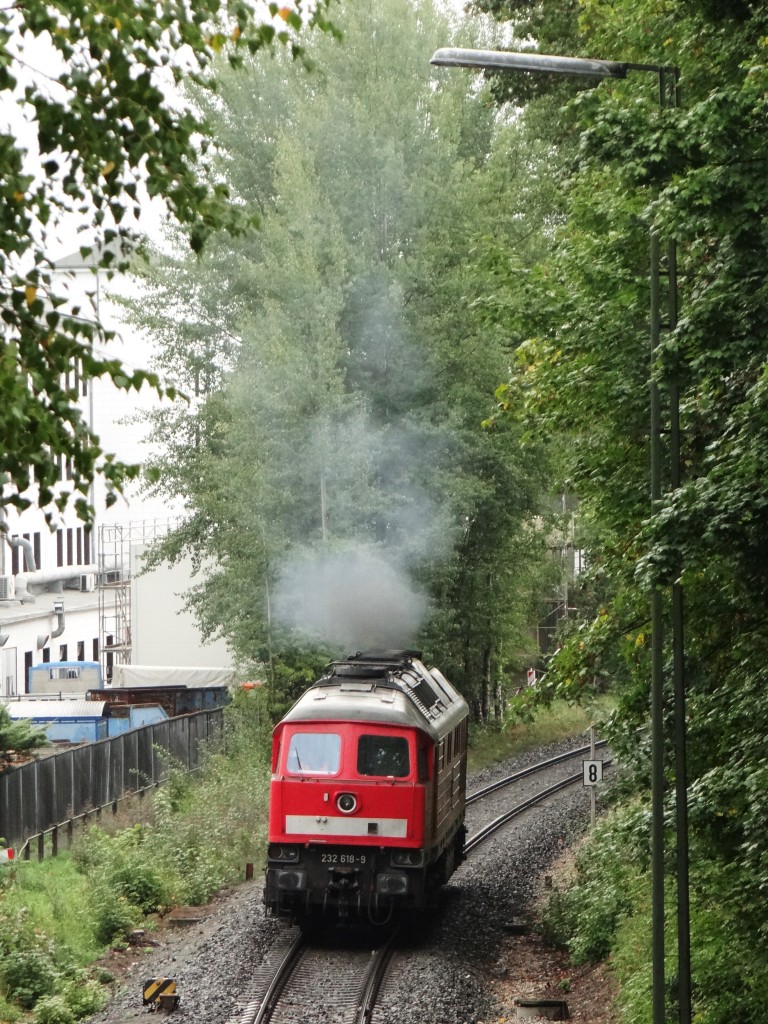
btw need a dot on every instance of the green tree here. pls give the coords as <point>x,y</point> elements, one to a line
<point>351,366</point>
<point>17,735</point>
<point>104,120</point>
<point>694,175</point>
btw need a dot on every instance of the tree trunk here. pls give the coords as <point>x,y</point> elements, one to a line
<point>486,683</point>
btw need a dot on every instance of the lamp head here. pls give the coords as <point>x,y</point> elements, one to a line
<point>503,60</point>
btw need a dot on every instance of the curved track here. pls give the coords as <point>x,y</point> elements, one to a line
<point>534,769</point>
<point>503,819</point>
<point>337,980</point>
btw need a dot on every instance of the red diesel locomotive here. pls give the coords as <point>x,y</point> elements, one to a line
<point>368,788</point>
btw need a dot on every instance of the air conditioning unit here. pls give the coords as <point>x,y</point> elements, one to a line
<point>87,583</point>
<point>7,588</point>
<point>111,576</point>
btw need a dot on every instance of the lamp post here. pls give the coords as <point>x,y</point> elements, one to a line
<point>668,77</point>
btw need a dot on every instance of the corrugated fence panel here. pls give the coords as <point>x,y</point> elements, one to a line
<point>29,799</point>
<point>84,776</point>
<point>133,776</point>
<point>100,773</point>
<point>179,741</point>
<point>144,757</point>
<point>46,808</point>
<point>64,775</point>
<point>11,821</point>
<point>36,796</point>
<point>161,733</point>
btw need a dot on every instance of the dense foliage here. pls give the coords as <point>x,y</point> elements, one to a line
<point>696,175</point>
<point>17,736</point>
<point>92,131</point>
<point>332,462</point>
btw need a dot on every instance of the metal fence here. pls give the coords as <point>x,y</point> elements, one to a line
<point>53,792</point>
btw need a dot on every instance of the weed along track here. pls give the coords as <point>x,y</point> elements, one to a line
<point>335,980</point>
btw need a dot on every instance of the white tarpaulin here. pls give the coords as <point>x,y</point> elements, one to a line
<point>170,675</point>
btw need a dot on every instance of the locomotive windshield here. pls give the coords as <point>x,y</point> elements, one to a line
<point>314,753</point>
<point>383,755</point>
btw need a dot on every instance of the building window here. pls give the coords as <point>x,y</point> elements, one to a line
<point>86,546</point>
<point>18,556</point>
<point>59,548</point>
<point>81,650</point>
<point>37,550</point>
<point>70,547</point>
<point>63,652</point>
<point>95,648</point>
<point>27,666</point>
<point>46,654</point>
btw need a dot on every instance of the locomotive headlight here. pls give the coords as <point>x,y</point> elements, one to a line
<point>408,858</point>
<point>347,803</point>
<point>283,852</point>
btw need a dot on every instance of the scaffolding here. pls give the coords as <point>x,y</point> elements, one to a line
<point>116,543</point>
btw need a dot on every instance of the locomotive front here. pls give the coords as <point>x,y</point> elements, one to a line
<point>367,792</point>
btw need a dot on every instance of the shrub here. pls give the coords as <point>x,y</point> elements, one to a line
<point>53,1010</point>
<point>139,884</point>
<point>113,916</point>
<point>28,974</point>
<point>583,917</point>
<point>84,995</point>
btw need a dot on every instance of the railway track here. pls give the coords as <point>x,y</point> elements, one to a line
<point>305,979</point>
<point>534,769</point>
<point>338,982</point>
<point>510,814</point>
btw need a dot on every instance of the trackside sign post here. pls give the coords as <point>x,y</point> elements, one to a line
<point>593,772</point>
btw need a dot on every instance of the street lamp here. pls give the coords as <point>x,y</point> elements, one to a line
<point>497,60</point>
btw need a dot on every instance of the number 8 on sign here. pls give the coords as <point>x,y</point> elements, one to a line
<point>593,772</point>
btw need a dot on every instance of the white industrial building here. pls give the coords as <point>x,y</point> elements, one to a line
<point>74,594</point>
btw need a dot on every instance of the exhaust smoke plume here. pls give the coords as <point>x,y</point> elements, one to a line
<point>354,598</point>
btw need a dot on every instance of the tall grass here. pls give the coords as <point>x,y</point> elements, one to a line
<point>489,744</point>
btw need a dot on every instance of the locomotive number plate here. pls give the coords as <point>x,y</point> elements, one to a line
<point>342,858</point>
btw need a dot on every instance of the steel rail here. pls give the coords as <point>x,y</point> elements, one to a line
<point>282,974</point>
<point>531,770</point>
<point>374,979</point>
<point>503,819</point>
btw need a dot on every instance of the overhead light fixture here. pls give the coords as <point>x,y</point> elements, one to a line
<point>512,60</point>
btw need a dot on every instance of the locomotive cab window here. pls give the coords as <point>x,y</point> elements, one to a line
<point>383,755</point>
<point>314,753</point>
